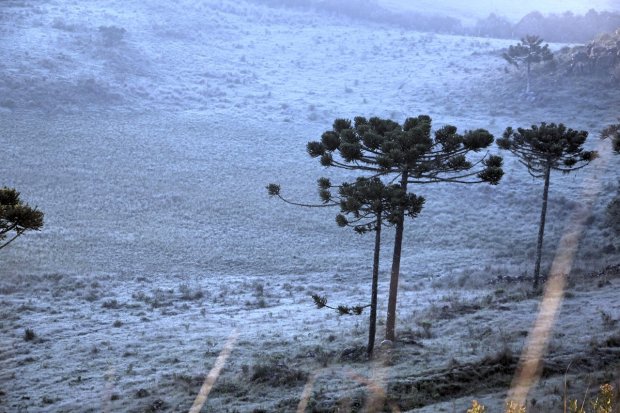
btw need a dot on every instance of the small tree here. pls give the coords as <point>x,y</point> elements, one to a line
<point>542,149</point>
<point>528,51</point>
<point>612,213</point>
<point>16,217</point>
<point>371,204</point>
<point>365,205</point>
<point>410,155</point>
<point>613,208</point>
<point>613,132</point>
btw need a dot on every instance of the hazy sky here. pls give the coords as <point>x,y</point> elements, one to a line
<point>509,8</point>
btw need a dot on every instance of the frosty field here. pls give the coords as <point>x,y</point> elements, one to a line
<point>149,149</point>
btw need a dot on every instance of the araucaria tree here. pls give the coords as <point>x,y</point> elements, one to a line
<point>407,154</point>
<point>369,204</point>
<point>613,132</point>
<point>366,205</point>
<point>528,51</point>
<point>16,217</point>
<point>542,149</point>
<point>613,208</point>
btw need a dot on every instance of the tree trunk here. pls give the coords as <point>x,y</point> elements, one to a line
<point>12,239</point>
<point>372,329</point>
<point>541,228</point>
<point>527,88</point>
<point>390,324</point>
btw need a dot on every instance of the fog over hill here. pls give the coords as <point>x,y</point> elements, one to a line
<point>511,9</point>
<point>573,22</point>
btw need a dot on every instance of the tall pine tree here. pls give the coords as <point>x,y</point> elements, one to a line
<point>528,51</point>
<point>366,205</point>
<point>542,149</point>
<point>612,132</point>
<point>410,154</point>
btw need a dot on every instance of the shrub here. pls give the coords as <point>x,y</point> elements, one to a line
<point>112,35</point>
<point>277,374</point>
<point>189,294</point>
<point>29,335</point>
<point>111,304</point>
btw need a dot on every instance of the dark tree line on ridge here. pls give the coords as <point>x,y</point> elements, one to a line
<point>563,28</point>
<point>566,27</point>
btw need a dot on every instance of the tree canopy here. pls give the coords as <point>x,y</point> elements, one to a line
<point>542,149</point>
<point>382,146</point>
<point>16,217</point>
<point>528,51</point>
<point>548,146</point>
<point>368,201</point>
<point>612,132</point>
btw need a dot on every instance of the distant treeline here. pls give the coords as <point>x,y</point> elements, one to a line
<point>566,27</point>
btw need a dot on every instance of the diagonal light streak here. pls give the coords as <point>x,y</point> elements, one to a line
<point>203,394</point>
<point>374,384</point>
<point>306,393</point>
<point>108,389</point>
<point>531,357</point>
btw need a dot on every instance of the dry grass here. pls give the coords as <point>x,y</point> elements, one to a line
<point>606,401</point>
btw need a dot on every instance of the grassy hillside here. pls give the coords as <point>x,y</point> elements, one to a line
<point>147,132</point>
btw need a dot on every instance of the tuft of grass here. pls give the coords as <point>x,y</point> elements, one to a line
<point>141,393</point>
<point>426,326</point>
<point>608,320</point>
<point>476,408</point>
<point>276,373</point>
<point>514,407</point>
<point>190,294</point>
<point>613,341</point>
<point>607,401</point>
<point>47,400</point>
<point>111,304</point>
<point>29,335</point>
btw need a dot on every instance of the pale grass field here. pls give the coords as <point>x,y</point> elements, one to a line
<point>150,158</point>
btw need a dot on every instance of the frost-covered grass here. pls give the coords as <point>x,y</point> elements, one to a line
<point>147,132</point>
